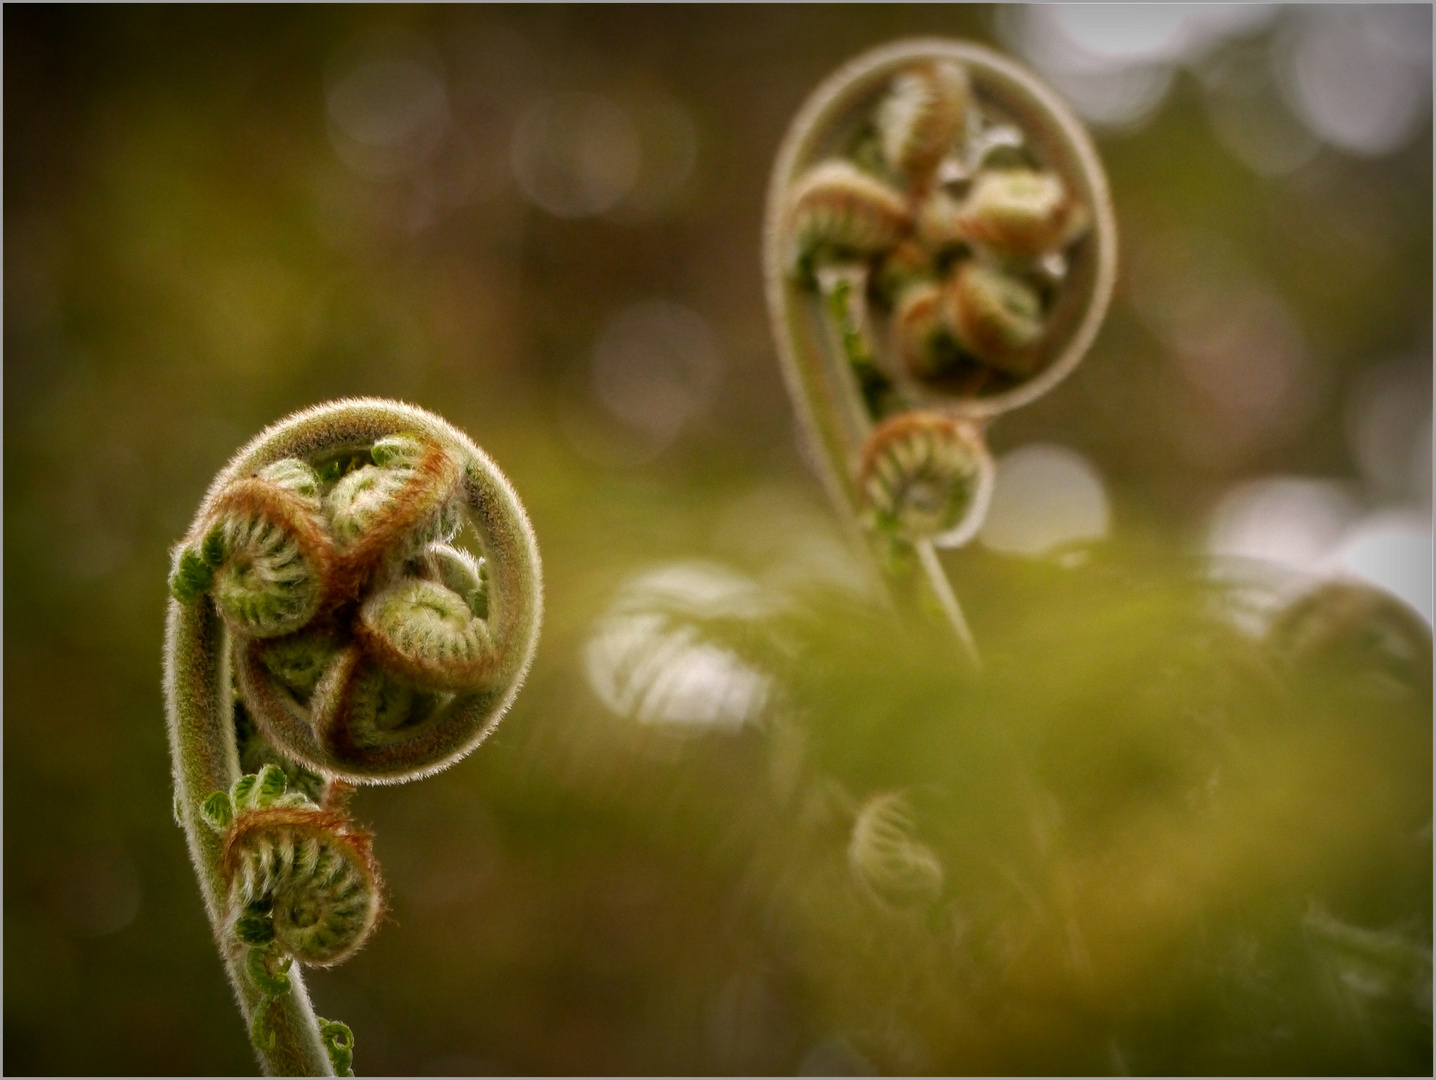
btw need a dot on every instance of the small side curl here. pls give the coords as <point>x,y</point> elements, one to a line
<point>926,476</point>
<point>302,880</point>
<point>262,552</point>
<point>890,863</point>
<point>339,1042</point>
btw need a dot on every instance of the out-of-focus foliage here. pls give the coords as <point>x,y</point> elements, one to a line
<point>1145,839</point>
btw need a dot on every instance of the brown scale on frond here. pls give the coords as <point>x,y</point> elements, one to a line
<point>320,823</point>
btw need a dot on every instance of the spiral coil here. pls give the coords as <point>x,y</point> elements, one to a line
<point>938,242</point>
<point>925,476</point>
<point>888,861</point>
<point>300,877</point>
<point>972,173</point>
<point>365,646</point>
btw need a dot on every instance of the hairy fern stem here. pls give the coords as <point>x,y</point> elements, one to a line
<point>321,582</point>
<point>939,248</point>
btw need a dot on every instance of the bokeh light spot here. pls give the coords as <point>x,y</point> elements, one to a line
<point>1392,552</point>
<point>1388,424</point>
<point>99,891</point>
<point>387,105</point>
<point>654,367</point>
<point>1289,522</point>
<point>575,155</point>
<point>1045,497</point>
<point>1353,78</point>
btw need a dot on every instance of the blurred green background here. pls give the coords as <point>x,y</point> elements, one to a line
<point>543,224</point>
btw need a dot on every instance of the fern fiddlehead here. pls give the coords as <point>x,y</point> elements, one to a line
<point>939,248</point>
<point>888,861</point>
<point>322,577</point>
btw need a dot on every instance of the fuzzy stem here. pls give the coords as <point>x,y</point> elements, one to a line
<point>205,759</point>
<point>824,353</point>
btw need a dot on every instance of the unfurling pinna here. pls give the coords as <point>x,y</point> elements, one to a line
<point>323,579</point>
<point>939,248</point>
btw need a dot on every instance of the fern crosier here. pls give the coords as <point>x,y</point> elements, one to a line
<point>323,571</point>
<point>938,240</point>
<point>357,642</point>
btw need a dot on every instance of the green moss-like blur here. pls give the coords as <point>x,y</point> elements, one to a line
<point>1145,839</point>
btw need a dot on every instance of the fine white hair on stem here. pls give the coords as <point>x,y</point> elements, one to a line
<point>365,649</point>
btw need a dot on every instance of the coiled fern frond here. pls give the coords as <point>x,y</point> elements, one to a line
<point>321,577</point>
<point>939,247</point>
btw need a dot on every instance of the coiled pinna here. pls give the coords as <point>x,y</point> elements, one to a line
<point>300,877</point>
<point>1020,214</point>
<point>996,316</point>
<point>263,554</point>
<point>891,864</point>
<point>836,209</point>
<point>925,476</point>
<point>322,571</point>
<point>925,112</point>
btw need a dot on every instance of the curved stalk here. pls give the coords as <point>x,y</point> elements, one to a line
<point>366,648</point>
<point>205,759</point>
<point>943,169</point>
<point>843,288</point>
